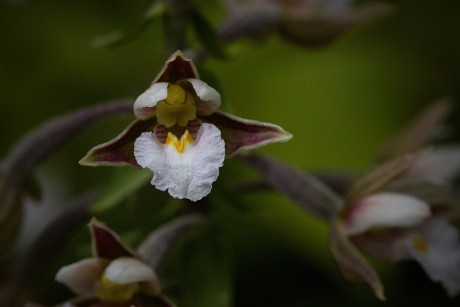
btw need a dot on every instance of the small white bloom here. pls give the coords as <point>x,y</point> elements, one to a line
<point>437,250</point>
<point>385,210</point>
<point>186,167</point>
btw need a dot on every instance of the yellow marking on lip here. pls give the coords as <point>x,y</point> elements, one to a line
<point>181,144</point>
<point>420,244</point>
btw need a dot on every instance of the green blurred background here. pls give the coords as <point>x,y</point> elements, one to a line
<point>340,103</point>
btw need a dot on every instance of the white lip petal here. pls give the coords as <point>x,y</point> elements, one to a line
<point>82,276</point>
<point>439,253</point>
<point>149,99</point>
<point>209,98</point>
<point>188,173</point>
<point>126,270</point>
<point>385,210</point>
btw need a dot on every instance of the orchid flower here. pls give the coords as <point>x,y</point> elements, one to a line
<point>392,212</point>
<point>115,274</point>
<point>180,135</point>
<point>391,215</point>
<point>308,23</point>
<point>384,214</point>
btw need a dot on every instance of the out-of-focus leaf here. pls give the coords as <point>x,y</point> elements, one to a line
<point>125,182</point>
<point>48,245</point>
<point>16,178</point>
<point>206,269</point>
<point>118,38</point>
<point>207,34</point>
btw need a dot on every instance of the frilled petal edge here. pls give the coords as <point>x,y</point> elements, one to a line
<point>81,277</point>
<point>118,151</point>
<point>242,134</point>
<point>186,168</point>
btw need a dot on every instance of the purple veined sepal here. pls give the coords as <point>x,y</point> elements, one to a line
<point>120,150</point>
<point>352,264</point>
<point>242,134</point>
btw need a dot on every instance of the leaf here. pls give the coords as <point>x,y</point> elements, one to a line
<point>51,241</point>
<point>207,35</point>
<point>125,182</point>
<point>120,37</point>
<point>206,268</point>
<point>16,179</point>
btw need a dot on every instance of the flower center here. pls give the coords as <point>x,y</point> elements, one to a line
<point>176,94</point>
<point>177,109</point>
<point>108,291</point>
<point>181,144</point>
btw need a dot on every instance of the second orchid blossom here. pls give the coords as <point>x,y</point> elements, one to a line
<point>180,135</point>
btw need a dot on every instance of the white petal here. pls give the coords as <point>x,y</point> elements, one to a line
<point>187,174</point>
<point>385,210</point>
<point>439,254</point>
<point>149,99</point>
<point>82,276</point>
<point>210,98</point>
<point>443,163</point>
<point>126,270</point>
